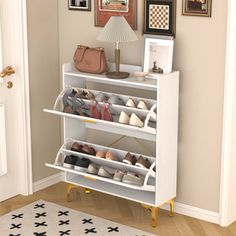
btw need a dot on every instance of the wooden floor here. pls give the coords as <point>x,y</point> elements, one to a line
<point>121,211</point>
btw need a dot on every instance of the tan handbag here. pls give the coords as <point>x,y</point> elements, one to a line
<point>90,60</point>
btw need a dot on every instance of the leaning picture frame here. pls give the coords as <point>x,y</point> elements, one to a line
<point>158,54</point>
<point>160,17</point>
<point>79,5</point>
<point>104,9</point>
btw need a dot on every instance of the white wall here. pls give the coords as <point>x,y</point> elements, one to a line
<point>44,83</point>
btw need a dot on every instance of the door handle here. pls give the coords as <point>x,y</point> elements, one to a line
<point>7,72</point>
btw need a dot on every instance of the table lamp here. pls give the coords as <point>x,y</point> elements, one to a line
<point>117,30</point>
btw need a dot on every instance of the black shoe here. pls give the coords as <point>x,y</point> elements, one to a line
<point>70,161</point>
<point>82,164</point>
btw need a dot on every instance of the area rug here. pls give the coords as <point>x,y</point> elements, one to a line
<point>43,218</point>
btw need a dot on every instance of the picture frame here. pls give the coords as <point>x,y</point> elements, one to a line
<point>104,9</point>
<point>160,17</point>
<point>79,5</point>
<point>159,50</point>
<point>196,7</point>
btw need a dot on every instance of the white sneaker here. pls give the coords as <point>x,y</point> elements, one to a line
<point>124,118</point>
<point>106,172</point>
<point>92,169</point>
<point>118,175</point>
<point>135,121</point>
<point>130,103</point>
<point>142,105</point>
<point>131,178</point>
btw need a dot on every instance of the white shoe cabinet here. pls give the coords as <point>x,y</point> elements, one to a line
<point>159,184</point>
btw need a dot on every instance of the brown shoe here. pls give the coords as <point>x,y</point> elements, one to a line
<point>129,159</point>
<point>88,150</point>
<point>76,147</point>
<point>143,163</point>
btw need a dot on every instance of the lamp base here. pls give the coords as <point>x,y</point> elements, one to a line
<point>117,75</point>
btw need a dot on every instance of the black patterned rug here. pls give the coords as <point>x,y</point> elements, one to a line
<point>43,218</point>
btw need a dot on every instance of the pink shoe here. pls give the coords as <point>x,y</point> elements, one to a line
<point>94,112</point>
<point>106,115</point>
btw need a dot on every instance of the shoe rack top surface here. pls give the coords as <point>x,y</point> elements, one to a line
<point>131,81</point>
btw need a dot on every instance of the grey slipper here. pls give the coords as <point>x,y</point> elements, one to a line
<point>106,172</point>
<point>131,178</point>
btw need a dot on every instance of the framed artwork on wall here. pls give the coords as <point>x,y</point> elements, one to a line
<point>158,56</point>
<point>104,9</point>
<point>196,7</point>
<point>80,5</point>
<point>160,17</point>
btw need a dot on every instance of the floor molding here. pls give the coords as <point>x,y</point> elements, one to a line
<point>195,212</point>
<point>179,208</point>
<point>48,181</point>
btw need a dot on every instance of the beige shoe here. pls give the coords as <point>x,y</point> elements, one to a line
<point>124,118</point>
<point>142,105</point>
<point>135,120</point>
<point>130,103</point>
<point>111,156</point>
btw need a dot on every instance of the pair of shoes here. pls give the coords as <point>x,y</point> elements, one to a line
<point>74,162</point>
<point>114,99</point>
<point>83,148</point>
<point>106,155</point>
<point>140,162</point>
<point>128,178</point>
<point>141,105</point>
<point>102,171</point>
<point>118,175</point>
<point>133,120</point>
<point>103,113</point>
<point>73,104</point>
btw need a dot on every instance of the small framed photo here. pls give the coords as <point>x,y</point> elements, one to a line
<point>80,5</point>
<point>104,9</point>
<point>158,56</point>
<point>197,8</point>
<point>160,17</point>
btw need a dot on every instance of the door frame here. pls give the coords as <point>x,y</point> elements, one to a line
<point>229,93</point>
<point>24,118</point>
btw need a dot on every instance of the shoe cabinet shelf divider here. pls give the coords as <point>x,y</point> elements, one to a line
<point>160,179</point>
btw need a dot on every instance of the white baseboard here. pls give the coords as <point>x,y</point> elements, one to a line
<point>46,182</point>
<point>195,212</point>
<point>179,208</point>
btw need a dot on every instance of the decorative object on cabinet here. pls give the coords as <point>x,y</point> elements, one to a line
<point>104,9</point>
<point>147,176</point>
<point>90,60</point>
<point>117,30</point>
<point>80,5</point>
<point>140,75</point>
<point>158,55</point>
<point>196,8</point>
<point>160,17</point>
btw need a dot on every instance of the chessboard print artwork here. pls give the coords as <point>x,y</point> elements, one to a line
<point>159,17</point>
<point>43,218</point>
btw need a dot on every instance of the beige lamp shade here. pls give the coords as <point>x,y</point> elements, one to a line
<point>117,29</point>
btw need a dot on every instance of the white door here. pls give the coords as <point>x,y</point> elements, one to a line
<point>15,162</point>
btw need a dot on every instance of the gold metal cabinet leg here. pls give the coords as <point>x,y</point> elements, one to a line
<point>171,202</point>
<point>154,213</point>
<point>69,188</point>
<point>87,191</point>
